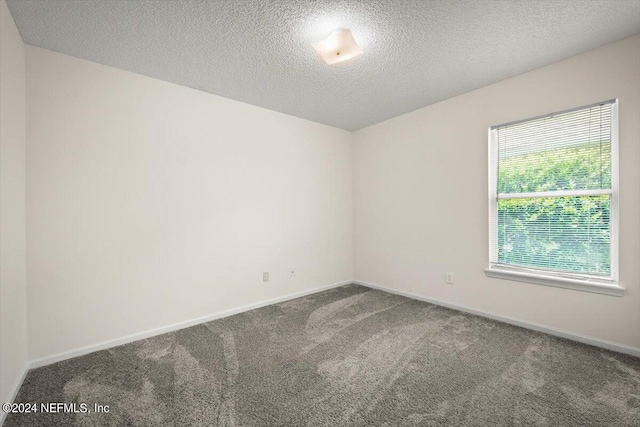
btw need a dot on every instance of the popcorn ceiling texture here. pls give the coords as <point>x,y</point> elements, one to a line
<point>415,52</point>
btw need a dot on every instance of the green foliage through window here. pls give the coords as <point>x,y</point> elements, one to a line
<point>568,154</point>
<point>583,167</point>
<point>558,233</point>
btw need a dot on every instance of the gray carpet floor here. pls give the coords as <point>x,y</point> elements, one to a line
<point>347,356</point>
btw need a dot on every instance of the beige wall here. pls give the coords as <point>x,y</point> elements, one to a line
<point>13,318</point>
<point>151,203</point>
<point>421,201</point>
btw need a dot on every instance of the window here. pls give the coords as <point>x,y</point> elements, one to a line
<point>553,197</point>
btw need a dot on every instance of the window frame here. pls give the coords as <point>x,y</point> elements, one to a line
<point>582,282</point>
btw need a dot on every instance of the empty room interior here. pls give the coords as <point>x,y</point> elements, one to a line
<point>320,213</point>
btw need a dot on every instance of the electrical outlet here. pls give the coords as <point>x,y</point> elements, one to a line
<point>292,272</point>
<point>449,278</point>
<point>265,276</point>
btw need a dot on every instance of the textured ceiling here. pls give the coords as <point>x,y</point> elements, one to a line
<point>416,53</point>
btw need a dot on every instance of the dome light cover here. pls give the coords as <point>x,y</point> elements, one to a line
<point>338,46</point>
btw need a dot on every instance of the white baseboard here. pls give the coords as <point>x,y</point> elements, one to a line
<point>620,348</point>
<point>14,391</point>
<point>47,360</point>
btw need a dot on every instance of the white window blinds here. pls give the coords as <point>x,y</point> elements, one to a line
<point>552,185</point>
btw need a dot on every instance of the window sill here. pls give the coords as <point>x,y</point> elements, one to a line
<point>558,282</point>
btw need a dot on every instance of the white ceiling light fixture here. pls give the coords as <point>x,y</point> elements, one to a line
<point>338,46</point>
